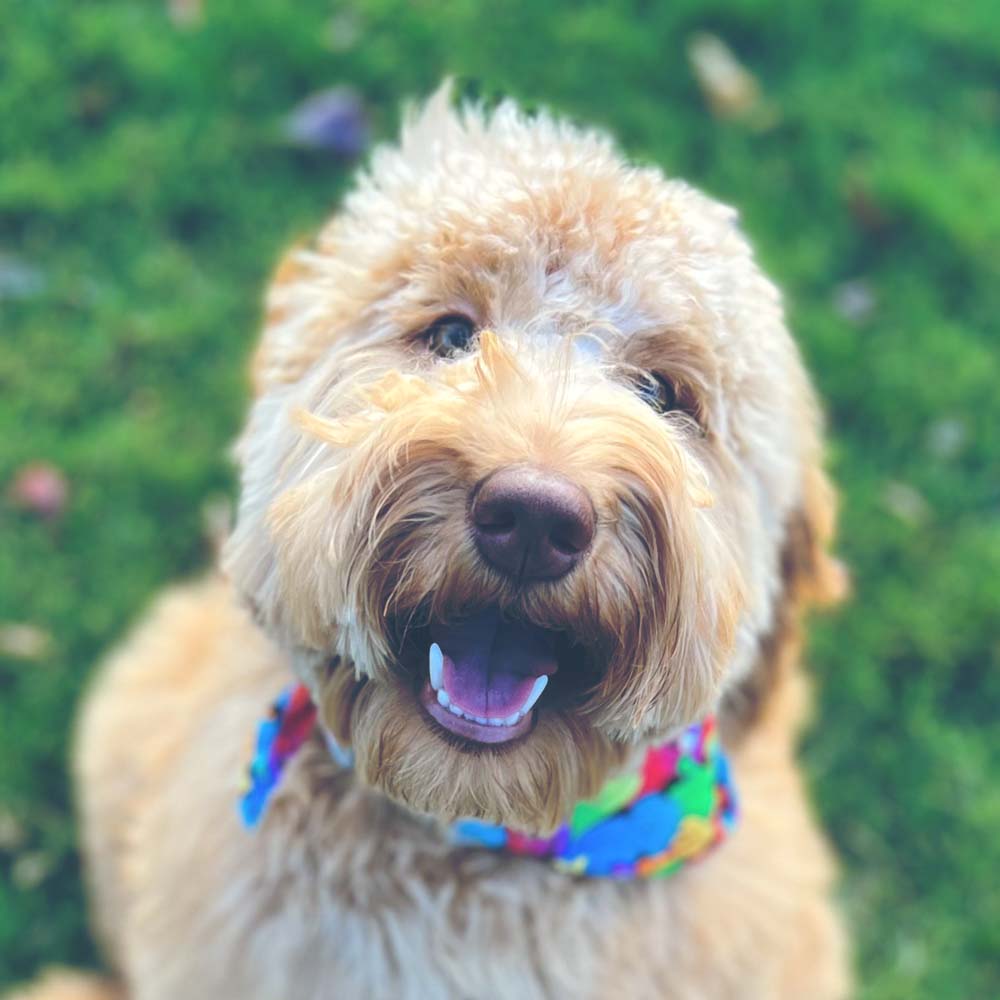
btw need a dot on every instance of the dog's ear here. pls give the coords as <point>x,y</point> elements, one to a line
<point>811,574</point>
<point>263,363</point>
<point>292,337</point>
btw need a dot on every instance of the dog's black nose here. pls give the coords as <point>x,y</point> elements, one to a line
<point>531,524</point>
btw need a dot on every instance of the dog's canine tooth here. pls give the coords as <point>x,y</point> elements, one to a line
<point>436,664</point>
<point>536,693</point>
<point>443,700</point>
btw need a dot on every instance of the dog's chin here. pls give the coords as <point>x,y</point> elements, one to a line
<point>482,720</point>
<point>529,783</point>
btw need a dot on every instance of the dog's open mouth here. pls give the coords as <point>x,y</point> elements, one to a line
<point>485,675</point>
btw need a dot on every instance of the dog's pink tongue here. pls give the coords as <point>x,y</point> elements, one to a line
<point>490,666</point>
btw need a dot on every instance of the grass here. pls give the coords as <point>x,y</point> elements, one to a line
<point>145,191</point>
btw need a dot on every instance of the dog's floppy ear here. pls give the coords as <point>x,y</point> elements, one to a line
<point>811,574</point>
<point>269,363</point>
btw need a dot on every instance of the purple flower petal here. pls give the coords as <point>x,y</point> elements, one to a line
<point>334,120</point>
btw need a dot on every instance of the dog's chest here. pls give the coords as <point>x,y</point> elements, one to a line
<point>371,901</point>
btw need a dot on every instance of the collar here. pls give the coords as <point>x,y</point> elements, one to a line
<point>645,823</point>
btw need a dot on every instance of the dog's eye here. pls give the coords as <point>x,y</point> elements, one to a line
<point>657,391</point>
<point>450,335</point>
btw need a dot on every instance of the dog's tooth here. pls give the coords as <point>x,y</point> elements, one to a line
<point>496,722</point>
<point>443,700</point>
<point>436,663</point>
<point>536,693</point>
<point>480,720</point>
<point>513,720</point>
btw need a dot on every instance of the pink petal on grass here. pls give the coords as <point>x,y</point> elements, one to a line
<point>40,489</point>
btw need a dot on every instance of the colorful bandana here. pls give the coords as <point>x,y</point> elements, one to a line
<point>644,824</point>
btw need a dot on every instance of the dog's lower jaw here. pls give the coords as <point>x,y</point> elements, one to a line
<point>474,731</point>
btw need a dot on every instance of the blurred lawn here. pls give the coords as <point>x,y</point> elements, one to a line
<point>145,192</point>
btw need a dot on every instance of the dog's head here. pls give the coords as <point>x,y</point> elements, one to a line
<point>529,445</point>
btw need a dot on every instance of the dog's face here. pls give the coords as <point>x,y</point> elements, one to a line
<point>529,437</point>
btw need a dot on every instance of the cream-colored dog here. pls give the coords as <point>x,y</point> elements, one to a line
<point>536,408</point>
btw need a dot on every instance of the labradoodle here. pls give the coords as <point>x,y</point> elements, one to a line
<point>532,505</point>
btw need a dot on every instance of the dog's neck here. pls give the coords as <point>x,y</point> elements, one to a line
<point>646,822</point>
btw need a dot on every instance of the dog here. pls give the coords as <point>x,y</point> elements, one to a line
<point>532,484</point>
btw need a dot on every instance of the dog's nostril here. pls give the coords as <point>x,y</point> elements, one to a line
<point>495,520</point>
<point>568,538</point>
<point>531,524</point>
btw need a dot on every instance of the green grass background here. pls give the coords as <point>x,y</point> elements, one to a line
<point>144,178</point>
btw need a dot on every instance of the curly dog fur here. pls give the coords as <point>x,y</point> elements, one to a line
<point>581,275</point>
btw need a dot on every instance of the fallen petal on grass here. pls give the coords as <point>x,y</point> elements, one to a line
<point>40,489</point>
<point>947,437</point>
<point>12,832</point>
<point>730,89</point>
<point>854,300</point>
<point>31,869</point>
<point>186,13</point>
<point>18,279</point>
<point>906,503</point>
<point>343,31</point>
<point>333,120</point>
<point>24,642</point>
